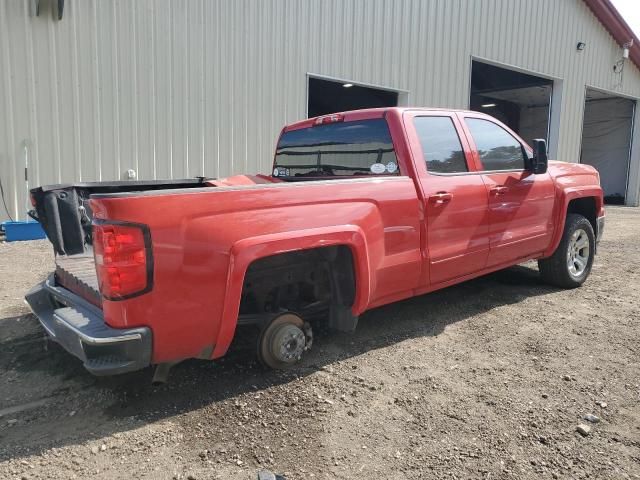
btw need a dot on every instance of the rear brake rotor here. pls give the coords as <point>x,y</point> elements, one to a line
<point>284,341</point>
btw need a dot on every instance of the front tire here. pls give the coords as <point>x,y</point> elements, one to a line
<point>571,263</point>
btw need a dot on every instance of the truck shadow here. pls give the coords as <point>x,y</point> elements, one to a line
<point>47,399</point>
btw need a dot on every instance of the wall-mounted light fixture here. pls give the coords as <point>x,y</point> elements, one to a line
<point>619,65</point>
<point>488,105</point>
<point>625,49</point>
<point>347,85</point>
<point>581,46</point>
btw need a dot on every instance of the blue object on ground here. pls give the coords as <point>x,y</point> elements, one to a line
<point>15,231</point>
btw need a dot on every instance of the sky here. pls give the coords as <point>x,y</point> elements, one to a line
<point>630,11</point>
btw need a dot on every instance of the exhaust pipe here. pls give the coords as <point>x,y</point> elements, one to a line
<point>161,373</point>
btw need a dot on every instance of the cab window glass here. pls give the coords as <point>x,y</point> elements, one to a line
<point>498,149</point>
<point>441,145</point>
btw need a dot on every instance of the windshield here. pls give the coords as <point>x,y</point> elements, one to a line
<point>361,147</point>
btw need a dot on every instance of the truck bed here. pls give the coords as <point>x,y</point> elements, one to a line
<point>77,273</point>
<point>65,213</point>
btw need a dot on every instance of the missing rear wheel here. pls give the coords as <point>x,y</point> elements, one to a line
<point>283,342</point>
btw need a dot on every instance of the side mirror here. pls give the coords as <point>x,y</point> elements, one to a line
<point>539,161</point>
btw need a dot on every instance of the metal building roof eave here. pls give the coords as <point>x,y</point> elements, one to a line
<point>616,26</point>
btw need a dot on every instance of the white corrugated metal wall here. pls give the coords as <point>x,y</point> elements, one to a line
<point>175,88</point>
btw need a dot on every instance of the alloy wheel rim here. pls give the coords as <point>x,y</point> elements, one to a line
<point>578,253</point>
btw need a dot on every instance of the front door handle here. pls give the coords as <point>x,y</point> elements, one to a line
<point>441,198</point>
<point>499,190</point>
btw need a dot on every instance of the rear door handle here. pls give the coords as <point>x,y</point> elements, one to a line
<point>441,198</point>
<point>499,190</point>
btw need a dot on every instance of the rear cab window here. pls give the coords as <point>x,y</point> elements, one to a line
<point>336,150</point>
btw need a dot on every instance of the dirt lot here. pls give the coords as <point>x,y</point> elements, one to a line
<point>488,379</point>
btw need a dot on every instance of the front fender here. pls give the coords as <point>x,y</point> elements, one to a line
<point>565,197</point>
<point>246,251</point>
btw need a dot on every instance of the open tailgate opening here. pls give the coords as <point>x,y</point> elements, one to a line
<point>65,214</point>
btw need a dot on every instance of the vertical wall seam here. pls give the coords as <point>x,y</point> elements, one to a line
<point>203,79</point>
<point>171,99</point>
<point>135,115</point>
<point>97,117</point>
<point>34,179</point>
<point>187,90</point>
<point>10,124</point>
<point>55,101</point>
<point>73,13</point>
<point>116,84</point>
<point>154,98</point>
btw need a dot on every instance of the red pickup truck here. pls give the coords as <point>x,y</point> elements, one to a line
<point>361,209</point>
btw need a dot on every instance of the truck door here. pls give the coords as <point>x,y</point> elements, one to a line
<point>520,202</point>
<point>454,196</point>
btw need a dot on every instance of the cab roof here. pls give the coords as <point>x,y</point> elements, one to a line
<point>366,113</point>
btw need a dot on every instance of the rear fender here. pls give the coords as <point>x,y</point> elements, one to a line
<point>248,250</point>
<point>563,205</point>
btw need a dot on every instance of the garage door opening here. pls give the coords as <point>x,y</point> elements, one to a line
<point>327,96</point>
<point>519,100</point>
<point>606,141</point>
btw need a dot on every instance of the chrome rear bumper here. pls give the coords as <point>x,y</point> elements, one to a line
<point>79,328</point>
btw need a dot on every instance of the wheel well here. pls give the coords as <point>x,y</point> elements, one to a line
<point>315,283</point>
<point>586,207</point>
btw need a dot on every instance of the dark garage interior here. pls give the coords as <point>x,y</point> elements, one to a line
<point>327,96</point>
<point>519,100</point>
<point>606,141</point>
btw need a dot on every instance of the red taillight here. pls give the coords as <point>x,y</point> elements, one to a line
<point>123,259</point>
<point>333,118</point>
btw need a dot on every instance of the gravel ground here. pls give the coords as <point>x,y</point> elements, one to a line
<point>489,379</point>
